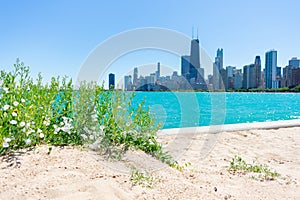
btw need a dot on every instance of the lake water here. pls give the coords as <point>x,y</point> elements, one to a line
<point>188,109</point>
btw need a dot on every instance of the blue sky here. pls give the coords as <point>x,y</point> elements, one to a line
<point>55,37</point>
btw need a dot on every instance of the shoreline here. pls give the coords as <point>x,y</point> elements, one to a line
<point>230,127</point>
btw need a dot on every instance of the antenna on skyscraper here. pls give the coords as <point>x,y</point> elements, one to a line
<point>197,33</point>
<point>192,32</point>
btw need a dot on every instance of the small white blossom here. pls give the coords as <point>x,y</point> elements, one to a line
<point>23,100</point>
<point>28,141</point>
<point>29,132</point>
<point>5,89</point>
<point>42,135</point>
<point>16,103</point>
<point>1,83</point>
<point>27,124</point>
<point>119,107</point>
<point>14,114</point>
<point>1,96</point>
<point>13,122</point>
<point>84,136</point>
<point>5,144</point>
<point>91,137</point>
<point>46,123</point>
<point>7,140</point>
<point>22,124</point>
<point>39,130</point>
<point>24,129</point>
<point>102,128</point>
<point>6,107</point>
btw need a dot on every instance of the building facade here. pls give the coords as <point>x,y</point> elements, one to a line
<point>270,69</point>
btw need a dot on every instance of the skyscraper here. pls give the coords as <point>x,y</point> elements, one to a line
<point>127,83</point>
<point>294,62</point>
<point>194,60</point>
<point>249,76</point>
<point>217,70</point>
<point>111,81</point>
<point>185,67</point>
<point>257,71</point>
<point>157,73</point>
<point>270,69</point>
<point>135,76</point>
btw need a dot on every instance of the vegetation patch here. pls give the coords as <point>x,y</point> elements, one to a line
<point>55,113</point>
<point>261,171</point>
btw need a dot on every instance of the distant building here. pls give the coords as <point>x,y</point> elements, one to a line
<point>194,59</point>
<point>217,70</point>
<point>135,76</point>
<point>270,69</point>
<point>128,83</point>
<point>295,76</point>
<point>185,67</point>
<point>257,72</point>
<point>229,81</point>
<point>111,81</point>
<point>278,72</point>
<point>249,76</point>
<point>157,73</point>
<point>238,79</point>
<point>294,62</point>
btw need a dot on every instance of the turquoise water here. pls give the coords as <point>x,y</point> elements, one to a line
<point>187,109</point>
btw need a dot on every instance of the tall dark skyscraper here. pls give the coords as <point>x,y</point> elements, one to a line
<point>185,67</point>
<point>194,59</point>
<point>196,74</point>
<point>111,81</point>
<point>157,73</point>
<point>257,71</point>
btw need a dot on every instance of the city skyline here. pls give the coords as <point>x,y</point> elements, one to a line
<point>230,77</point>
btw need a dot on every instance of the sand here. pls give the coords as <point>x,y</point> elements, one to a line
<point>77,173</point>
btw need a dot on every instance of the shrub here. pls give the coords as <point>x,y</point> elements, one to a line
<point>35,113</point>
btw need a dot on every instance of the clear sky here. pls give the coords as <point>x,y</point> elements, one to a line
<point>55,37</point>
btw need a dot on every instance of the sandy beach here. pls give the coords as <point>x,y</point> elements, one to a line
<point>78,173</point>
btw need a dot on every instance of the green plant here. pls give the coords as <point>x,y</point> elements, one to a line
<point>263,170</point>
<point>145,179</point>
<point>34,113</point>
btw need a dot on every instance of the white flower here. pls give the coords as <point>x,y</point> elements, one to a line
<point>61,123</point>
<point>14,114</point>
<point>13,122</point>
<point>23,100</point>
<point>84,136</point>
<point>24,129</point>
<point>1,96</point>
<point>29,132</point>
<point>7,140</point>
<point>39,130</point>
<point>5,89</point>
<point>42,135</point>
<point>6,107</point>
<point>91,137</point>
<point>102,128</point>
<point>16,103</point>
<point>22,124</point>
<point>5,144</point>
<point>28,124</point>
<point>47,123</point>
<point>28,141</point>
<point>119,107</point>
<point>1,83</point>
<point>86,130</point>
